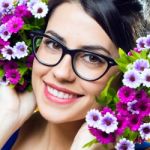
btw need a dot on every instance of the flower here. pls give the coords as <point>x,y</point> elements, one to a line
<point>15,24</point>
<point>132,79</point>
<point>39,10</point>
<point>146,77</point>
<point>125,112</point>
<point>141,64</point>
<point>93,117</point>
<point>126,94</point>
<point>4,33</point>
<point>125,144</point>
<point>147,42</point>
<point>108,123</point>
<point>145,131</point>
<point>13,76</point>
<point>101,136</point>
<point>20,50</point>
<point>8,52</point>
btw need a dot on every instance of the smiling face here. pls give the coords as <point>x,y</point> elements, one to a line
<point>61,95</point>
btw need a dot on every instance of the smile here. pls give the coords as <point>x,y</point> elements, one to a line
<point>60,95</point>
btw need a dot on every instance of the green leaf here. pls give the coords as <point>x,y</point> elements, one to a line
<point>22,70</point>
<point>89,144</point>
<point>1,72</point>
<point>107,93</point>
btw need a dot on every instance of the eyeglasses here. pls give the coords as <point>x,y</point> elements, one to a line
<point>87,65</point>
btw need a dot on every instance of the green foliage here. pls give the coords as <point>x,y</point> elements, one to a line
<point>89,144</point>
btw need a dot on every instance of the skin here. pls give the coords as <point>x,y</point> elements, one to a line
<point>71,22</point>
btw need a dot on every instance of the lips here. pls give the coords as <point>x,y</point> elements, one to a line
<point>60,95</point>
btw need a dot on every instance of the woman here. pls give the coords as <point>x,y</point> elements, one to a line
<point>72,65</point>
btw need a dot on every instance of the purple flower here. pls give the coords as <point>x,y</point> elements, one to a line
<point>132,79</point>
<point>105,110</point>
<point>146,77</point>
<point>141,64</point>
<point>4,33</point>
<point>29,61</point>
<point>147,41</point>
<point>145,131</point>
<point>140,95</point>
<point>10,65</point>
<point>6,6</point>
<point>140,43</point>
<point>6,18</point>
<point>122,124</point>
<point>8,52</point>
<point>144,107</point>
<point>93,117</point>
<point>15,24</point>
<point>3,44</point>
<point>132,107</point>
<point>102,137</point>
<point>126,94</point>
<point>21,87</point>
<point>122,108</point>
<point>21,11</point>
<point>13,76</point>
<point>108,123</point>
<point>20,49</point>
<point>125,144</point>
<point>134,122</point>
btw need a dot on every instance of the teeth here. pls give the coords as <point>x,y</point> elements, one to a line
<point>59,94</point>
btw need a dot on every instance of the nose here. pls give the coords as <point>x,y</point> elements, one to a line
<point>63,71</point>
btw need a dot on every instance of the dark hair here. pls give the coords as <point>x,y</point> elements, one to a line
<point>117,17</point>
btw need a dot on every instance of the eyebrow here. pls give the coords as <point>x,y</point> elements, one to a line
<point>87,47</point>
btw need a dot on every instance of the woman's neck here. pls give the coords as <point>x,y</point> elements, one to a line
<point>61,136</point>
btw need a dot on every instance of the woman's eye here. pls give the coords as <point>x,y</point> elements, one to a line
<point>52,44</point>
<point>93,59</point>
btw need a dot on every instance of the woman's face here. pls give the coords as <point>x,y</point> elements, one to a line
<point>61,95</point>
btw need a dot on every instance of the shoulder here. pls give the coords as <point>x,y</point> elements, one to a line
<point>30,132</point>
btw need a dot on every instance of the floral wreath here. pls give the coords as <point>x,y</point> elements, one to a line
<point>125,116</point>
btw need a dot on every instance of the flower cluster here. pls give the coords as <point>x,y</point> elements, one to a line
<point>124,118</point>
<point>17,19</point>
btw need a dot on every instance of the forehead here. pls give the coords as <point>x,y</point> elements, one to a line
<point>70,21</point>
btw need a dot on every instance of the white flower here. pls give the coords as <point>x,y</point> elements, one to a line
<point>39,10</point>
<point>93,117</point>
<point>145,76</point>
<point>108,123</point>
<point>125,144</point>
<point>132,79</point>
<point>20,50</point>
<point>8,52</point>
<point>31,3</point>
<point>145,131</point>
<point>4,33</point>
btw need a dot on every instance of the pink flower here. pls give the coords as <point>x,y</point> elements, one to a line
<point>102,137</point>
<point>13,76</point>
<point>15,24</point>
<point>126,94</point>
<point>21,11</point>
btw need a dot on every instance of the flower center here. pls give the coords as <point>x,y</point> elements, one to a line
<point>148,78</point>
<point>146,130</point>
<point>40,10</point>
<point>95,118</point>
<point>6,33</point>
<point>108,121</point>
<point>132,78</point>
<point>9,51</point>
<point>124,147</point>
<point>5,5</point>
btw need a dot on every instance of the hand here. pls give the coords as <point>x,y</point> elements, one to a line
<point>84,136</point>
<point>15,109</point>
